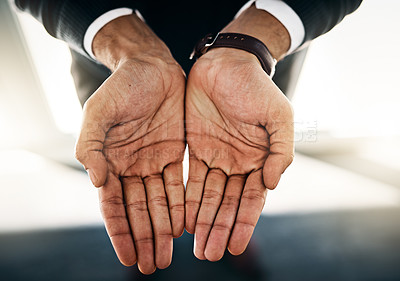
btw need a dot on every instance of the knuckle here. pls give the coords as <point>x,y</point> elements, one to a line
<point>203,224</point>
<point>253,194</point>
<point>114,217</point>
<point>153,180</point>
<point>221,227</point>
<point>113,200</point>
<point>195,180</point>
<point>116,234</point>
<point>159,201</point>
<point>132,181</point>
<point>237,178</point>
<point>113,209</point>
<point>144,240</point>
<point>164,234</point>
<point>208,204</point>
<point>215,173</point>
<point>138,206</point>
<point>192,204</point>
<point>175,183</point>
<point>230,201</point>
<point>177,207</point>
<point>246,223</point>
<point>211,195</point>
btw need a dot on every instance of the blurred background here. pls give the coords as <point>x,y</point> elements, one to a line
<point>334,216</point>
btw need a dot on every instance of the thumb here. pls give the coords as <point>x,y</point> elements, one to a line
<point>274,167</point>
<point>281,153</point>
<point>89,151</point>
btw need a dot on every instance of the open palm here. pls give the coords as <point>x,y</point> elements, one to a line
<point>240,136</point>
<point>132,144</point>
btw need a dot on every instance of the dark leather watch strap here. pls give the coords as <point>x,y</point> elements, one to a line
<point>237,41</point>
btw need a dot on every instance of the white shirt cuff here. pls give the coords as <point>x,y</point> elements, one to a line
<point>98,24</point>
<point>285,14</point>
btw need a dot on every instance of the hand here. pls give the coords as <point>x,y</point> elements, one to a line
<point>132,144</point>
<point>240,137</point>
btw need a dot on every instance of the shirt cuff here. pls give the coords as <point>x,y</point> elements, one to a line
<point>285,14</point>
<point>98,24</point>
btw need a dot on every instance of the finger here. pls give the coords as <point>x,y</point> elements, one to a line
<point>89,148</point>
<point>222,227</point>
<point>281,151</point>
<point>212,197</point>
<point>173,180</point>
<point>275,165</point>
<point>250,208</point>
<point>194,191</point>
<point>114,215</point>
<point>158,208</point>
<point>136,208</point>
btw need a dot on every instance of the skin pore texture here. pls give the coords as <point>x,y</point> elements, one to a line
<point>132,143</point>
<point>239,130</point>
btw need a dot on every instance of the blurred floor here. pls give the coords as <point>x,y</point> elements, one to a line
<point>352,245</point>
<point>322,223</point>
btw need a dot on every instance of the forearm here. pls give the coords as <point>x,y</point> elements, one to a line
<point>127,38</point>
<point>69,20</point>
<point>263,26</point>
<point>305,20</point>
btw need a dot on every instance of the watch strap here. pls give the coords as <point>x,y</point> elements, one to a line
<point>237,41</point>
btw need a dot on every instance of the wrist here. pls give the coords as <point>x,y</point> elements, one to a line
<point>263,26</point>
<point>127,38</point>
<point>228,62</point>
<point>222,56</point>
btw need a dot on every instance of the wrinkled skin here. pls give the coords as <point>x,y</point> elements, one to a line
<point>240,136</point>
<point>132,144</point>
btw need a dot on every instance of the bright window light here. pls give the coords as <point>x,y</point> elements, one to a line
<point>349,83</point>
<point>53,61</point>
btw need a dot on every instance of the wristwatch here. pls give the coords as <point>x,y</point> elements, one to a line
<point>237,41</point>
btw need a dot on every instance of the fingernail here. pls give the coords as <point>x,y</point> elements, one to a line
<point>92,176</point>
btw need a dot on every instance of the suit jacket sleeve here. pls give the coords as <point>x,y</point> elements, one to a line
<point>68,20</point>
<point>320,16</point>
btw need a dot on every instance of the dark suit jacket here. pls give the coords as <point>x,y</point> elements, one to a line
<point>173,19</point>
<point>180,23</point>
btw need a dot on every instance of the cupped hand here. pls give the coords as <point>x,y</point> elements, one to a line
<point>132,144</point>
<point>240,135</point>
